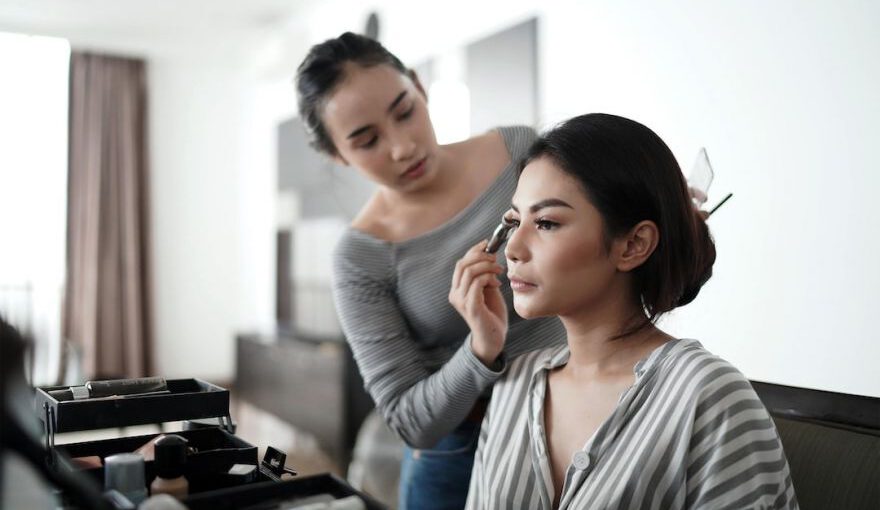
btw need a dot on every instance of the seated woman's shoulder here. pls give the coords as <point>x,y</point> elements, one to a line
<point>713,376</point>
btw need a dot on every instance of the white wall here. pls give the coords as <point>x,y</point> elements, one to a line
<point>783,95</point>
<point>195,146</point>
<point>214,170</point>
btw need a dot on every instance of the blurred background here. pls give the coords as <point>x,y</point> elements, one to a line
<point>161,213</point>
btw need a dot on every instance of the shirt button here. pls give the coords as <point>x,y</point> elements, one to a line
<point>581,460</point>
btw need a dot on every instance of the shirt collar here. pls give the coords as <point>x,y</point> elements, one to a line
<point>552,358</point>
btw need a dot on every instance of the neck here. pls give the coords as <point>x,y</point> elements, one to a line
<point>591,335</point>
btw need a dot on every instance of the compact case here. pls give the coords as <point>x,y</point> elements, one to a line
<point>215,448</point>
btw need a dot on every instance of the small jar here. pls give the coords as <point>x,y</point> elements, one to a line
<point>124,472</point>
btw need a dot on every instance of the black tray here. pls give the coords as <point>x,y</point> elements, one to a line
<point>189,399</point>
<point>217,451</point>
<point>259,495</point>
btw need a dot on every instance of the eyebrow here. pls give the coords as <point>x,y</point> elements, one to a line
<point>394,103</point>
<point>549,202</point>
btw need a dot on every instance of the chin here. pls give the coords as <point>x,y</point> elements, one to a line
<point>528,310</point>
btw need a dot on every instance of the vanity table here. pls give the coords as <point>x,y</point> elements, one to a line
<point>310,382</point>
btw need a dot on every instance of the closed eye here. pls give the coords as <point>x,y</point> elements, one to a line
<point>371,142</point>
<point>407,114</point>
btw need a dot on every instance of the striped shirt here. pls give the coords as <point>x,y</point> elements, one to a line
<point>689,433</point>
<point>410,344</point>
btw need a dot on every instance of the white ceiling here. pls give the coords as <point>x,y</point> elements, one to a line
<point>150,26</point>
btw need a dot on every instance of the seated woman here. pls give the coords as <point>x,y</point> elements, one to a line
<point>623,415</point>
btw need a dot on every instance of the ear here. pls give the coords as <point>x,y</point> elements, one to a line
<point>636,246</point>
<point>418,83</point>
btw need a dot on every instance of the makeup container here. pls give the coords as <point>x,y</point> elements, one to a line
<point>169,464</point>
<point>124,472</point>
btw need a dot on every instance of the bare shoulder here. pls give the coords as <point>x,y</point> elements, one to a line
<point>369,218</point>
<point>484,154</point>
<point>490,145</point>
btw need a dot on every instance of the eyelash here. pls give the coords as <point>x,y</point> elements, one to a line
<point>541,223</point>
<point>403,116</point>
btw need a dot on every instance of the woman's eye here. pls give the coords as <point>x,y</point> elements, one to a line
<point>371,142</point>
<point>546,224</point>
<point>513,222</point>
<point>407,114</point>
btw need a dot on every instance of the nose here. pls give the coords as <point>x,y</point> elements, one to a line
<point>403,147</point>
<point>516,249</point>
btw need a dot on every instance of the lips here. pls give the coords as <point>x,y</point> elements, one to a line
<point>416,169</point>
<point>519,285</point>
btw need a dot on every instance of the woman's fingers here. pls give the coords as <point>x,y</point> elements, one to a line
<point>480,274</point>
<point>474,254</point>
<point>474,298</point>
<point>475,270</point>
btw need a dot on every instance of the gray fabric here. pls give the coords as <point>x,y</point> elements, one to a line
<point>408,341</point>
<point>831,467</point>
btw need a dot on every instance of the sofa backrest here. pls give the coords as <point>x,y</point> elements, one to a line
<point>832,441</point>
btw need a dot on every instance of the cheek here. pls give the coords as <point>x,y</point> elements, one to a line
<point>574,256</point>
<point>572,275</point>
<point>371,164</point>
<point>422,122</point>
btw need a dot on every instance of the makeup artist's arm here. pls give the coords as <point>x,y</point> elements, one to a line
<point>421,406</point>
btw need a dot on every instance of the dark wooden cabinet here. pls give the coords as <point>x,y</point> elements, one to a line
<point>313,384</point>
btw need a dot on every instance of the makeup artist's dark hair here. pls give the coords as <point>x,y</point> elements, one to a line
<point>630,175</point>
<point>323,69</point>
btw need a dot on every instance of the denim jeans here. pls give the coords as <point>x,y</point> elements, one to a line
<point>438,478</point>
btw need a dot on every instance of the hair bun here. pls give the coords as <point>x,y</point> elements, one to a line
<point>703,260</point>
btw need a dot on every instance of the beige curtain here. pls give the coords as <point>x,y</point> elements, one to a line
<point>107,298</point>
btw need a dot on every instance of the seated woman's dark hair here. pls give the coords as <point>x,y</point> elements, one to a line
<point>630,175</point>
<point>324,68</point>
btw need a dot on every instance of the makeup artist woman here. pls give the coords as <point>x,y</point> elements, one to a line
<point>392,268</point>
